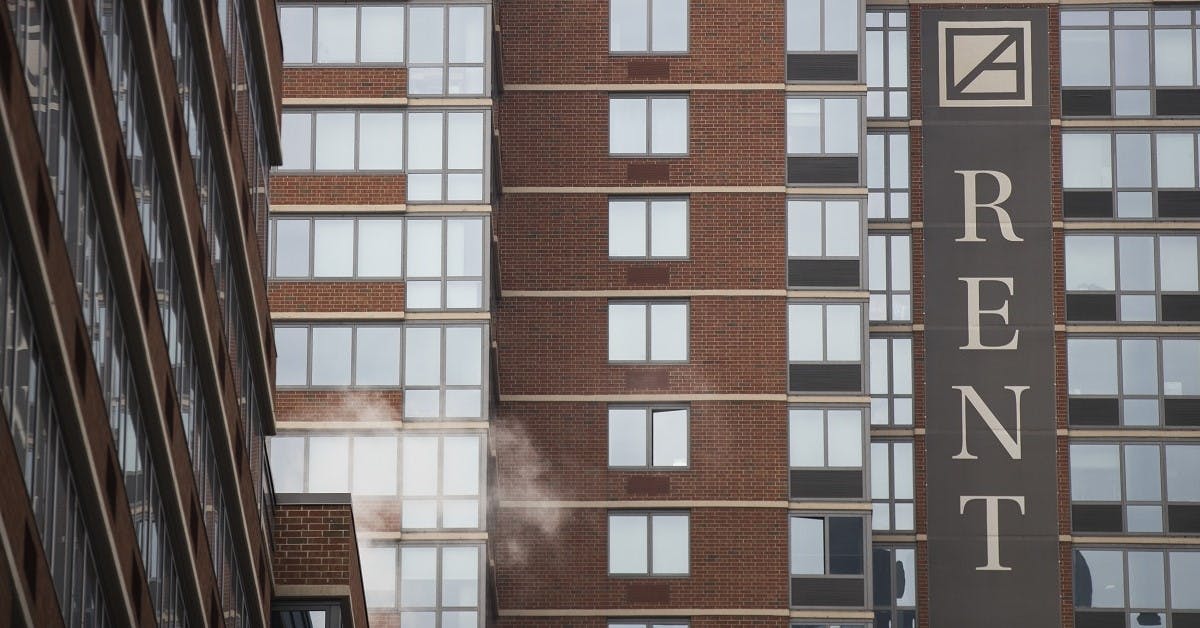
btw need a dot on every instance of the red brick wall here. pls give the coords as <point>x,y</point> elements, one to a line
<point>315,544</point>
<point>731,41</point>
<point>339,405</point>
<point>338,189</point>
<point>343,81</point>
<point>336,296</point>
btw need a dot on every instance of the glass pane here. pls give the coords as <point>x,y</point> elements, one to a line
<point>628,26</point>
<point>1185,573</point>
<point>335,141</point>
<point>380,141</point>
<point>464,356</point>
<point>418,577</point>
<point>841,25</point>
<point>804,219</point>
<point>1137,262</point>
<point>333,248</point>
<point>460,466</point>
<point>425,34</point>
<point>627,437</point>
<point>669,331</point>
<point>1091,366</point>
<point>1133,160</point>
<point>287,463</point>
<point>627,544</point>
<point>845,438</point>
<point>1143,519</point>
<point>419,462</point>
<point>1181,367</point>
<point>803,25</point>
<point>331,356</point>
<point>378,566</point>
<point>807,545</point>
<point>1099,579</point>
<point>806,438</point>
<point>1087,160</point>
<point>1139,366</point>
<point>1183,469</point>
<point>627,126</point>
<point>669,544</point>
<point>669,126</point>
<point>670,438</point>
<point>805,340</point>
<point>626,331</point>
<point>422,356</point>
<point>841,125</point>
<point>291,362</point>
<point>1176,160</point>
<point>668,228</point>
<point>424,139</point>
<point>464,187</point>
<point>898,161</point>
<point>1085,58</point>
<point>375,466</point>
<point>1132,55</point>
<point>460,576</point>
<point>468,35</point>
<point>296,30</point>
<point>843,332</point>
<point>464,145</point>
<point>382,35</point>
<point>291,248</point>
<point>669,26</point>
<point>906,577</point>
<point>804,126</point>
<point>876,161</point>
<point>328,464</point>
<point>1178,258</point>
<point>902,455</point>
<point>881,483</point>
<point>898,67</point>
<point>464,247</point>
<point>842,228</point>
<point>1095,473</point>
<point>377,356</point>
<point>295,135</point>
<point>845,545</point>
<point>380,246</point>
<point>1143,478</point>
<point>627,228</point>
<point>423,294</point>
<point>336,34</point>
<point>424,248</point>
<point>458,619</point>
<point>1173,57</point>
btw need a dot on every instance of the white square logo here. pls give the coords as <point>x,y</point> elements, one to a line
<point>985,64</point>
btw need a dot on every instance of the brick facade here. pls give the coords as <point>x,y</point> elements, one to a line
<point>316,549</point>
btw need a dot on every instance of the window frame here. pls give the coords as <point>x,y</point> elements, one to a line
<point>860,225</point>
<point>446,64</point>
<point>886,29</point>
<point>1127,608</point>
<point>889,293</point>
<point>887,195</point>
<point>891,397</point>
<point>864,439</point>
<point>649,304</point>
<point>1124,500</point>
<point>649,412</point>
<point>891,500</point>
<point>649,99</point>
<point>1160,397</point>
<point>313,113</point>
<point>648,204</point>
<point>862,342</point>
<point>398,607</point>
<point>866,575</point>
<point>894,610</point>
<point>822,153</point>
<point>648,515</point>
<point>1114,159</point>
<point>649,50</point>
<point>1157,292</point>
<point>359,6</point>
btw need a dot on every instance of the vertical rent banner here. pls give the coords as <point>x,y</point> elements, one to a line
<point>989,326</point>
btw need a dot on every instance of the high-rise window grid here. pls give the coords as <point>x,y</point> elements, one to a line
<point>440,585</point>
<point>887,175</point>
<point>891,381</point>
<point>825,243</point>
<point>647,331</point>
<point>1133,277</point>
<point>1135,587</point>
<point>887,63</point>
<point>1135,487</point>
<point>1131,174</point>
<point>889,276</point>
<point>892,486</point>
<point>894,586</point>
<point>1133,381</point>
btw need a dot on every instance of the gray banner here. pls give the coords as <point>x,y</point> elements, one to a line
<point>992,493</point>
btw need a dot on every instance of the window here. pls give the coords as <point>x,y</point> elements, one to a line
<point>887,176</point>
<point>892,486</point>
<point>1129,62</point>
<point>652,623</point>
<point>342,34</point>
<point>647,544</point>
<point>343,141</point>
<point>825,347</point>
<point>1130,175</point>
<point>648,26</point>
<point>889,277</point>
<point>447,50</point>
<point>1143,488</point>
<point>647,332</point>
<point>450,497</point>
<point>894,576</point>
<point>829,549</point>
<point>445,256</point>
<point>441,366</point>
<point>887,63</point>
<point>825,452</point>
<point>439,586</point>
<point>823,135</point>
<point>362,465</point>
<point>891,384</point>
<point>647,228</point>
<point>824,242</point>
<point>648,125</point>
<point>640,437</point>
<point>1135,382</point>
<point>1144,586</point>
<point>444,153</point>
<point>313,613</point>
<point>823,40</point>
<point>1132,278</point>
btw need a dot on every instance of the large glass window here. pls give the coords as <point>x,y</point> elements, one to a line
<point>648,228</point>
<point>1133,278</point>
<point>825,438</point>
<point>827,545</point>
<point>825,350</point>
<point>447,156</point>
<point>1133,381</point>
<point>823,25</point>
<point>887,63</point>
<point>342,34</point>
<point>824,243</point>
<point>891,382</point>
<point>646,437</point>
<point>892,486</point>
<point>448,50</point>
<point>444,371</point>
<point>1145,488</point>
<point>887,176</point>
<point>647,332</point>
<point>648,544</point>
<point>1144,586</point>
<point>1130,61</point>
<point>445,263</point>
<point>1130,175</point>
<point>823,137</point>
<point>648,125</point>
<point>343,140</point>
<point>439,586</point>
<point>648,26</point>
<point>889,277</point>
<point>894,579</point>
<point>448,497</point>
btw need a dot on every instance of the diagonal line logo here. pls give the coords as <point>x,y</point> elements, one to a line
<point>984,64</point>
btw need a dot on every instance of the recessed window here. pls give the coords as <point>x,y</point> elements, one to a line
<point>895,586</point>
<point>827,560</point>
<point>1129,62</point>
<point>648,26</point>
<point>430,585</point>
<point>1130,175</point>
<point>1133,278</point>
<point>1133,381</point>
<point>1135,487</point>
<point>342,34</point>
<point>648,544</point>
<point>887,63</point>
<point>648,125</point>
<point>824,243</point>
<point>887,176</point>
<point>823,136</point>
<point>823,40</point>
<point>892,486</point>
<point>647,228</point>
<point>647,332</point>
<point>825,347</point>
<point>640,437</point>
<point>891,382</point>
<point>1145,585</point>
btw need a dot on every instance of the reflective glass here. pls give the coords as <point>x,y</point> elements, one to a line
<point>331,356</point>
<point>627,126</point>
<point>670,438</point>
<point>669,544</point>
<point>627,544</point>
<point>669,25</point>
<point>627,437</point>
<point>382,35</point>
<point>337,34</point>
<point>628,25</point>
